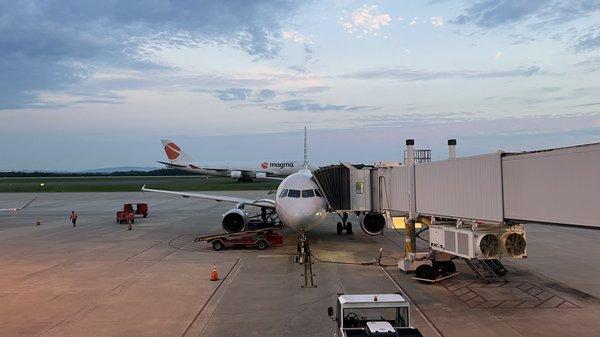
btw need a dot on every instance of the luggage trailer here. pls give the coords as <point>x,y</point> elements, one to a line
<point>260,238</point>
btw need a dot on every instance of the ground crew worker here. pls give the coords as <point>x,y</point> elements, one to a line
<point>73,218</point>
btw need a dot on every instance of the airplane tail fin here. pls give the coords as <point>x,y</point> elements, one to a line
<point>174,153</point>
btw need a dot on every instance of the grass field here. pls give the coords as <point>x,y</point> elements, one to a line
<point>129,184</point>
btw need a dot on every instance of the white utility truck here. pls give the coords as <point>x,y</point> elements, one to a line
<point>383,315</point>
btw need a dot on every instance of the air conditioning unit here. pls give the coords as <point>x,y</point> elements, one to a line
<point>514,242</point>
<point>479,243</point>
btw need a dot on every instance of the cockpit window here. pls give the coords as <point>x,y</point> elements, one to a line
<point>294,193</point>
<point>318,193</point>
<point>308,193</point>
<point>283,193</point>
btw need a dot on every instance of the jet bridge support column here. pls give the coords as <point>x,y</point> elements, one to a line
<point>410,236</point>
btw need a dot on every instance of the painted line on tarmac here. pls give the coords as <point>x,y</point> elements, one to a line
<point>425,317</point>
<point>143,251</point>
<point>276,255</point>
<point>187,329</point>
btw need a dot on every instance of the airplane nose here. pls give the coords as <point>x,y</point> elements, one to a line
<point>306,219</point>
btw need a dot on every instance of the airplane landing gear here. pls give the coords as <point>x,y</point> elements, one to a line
<point>304,258</point>
<point>344,224</point>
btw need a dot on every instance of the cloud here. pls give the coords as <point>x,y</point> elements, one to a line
<point>437,21</point>
<point>498,55</point>
<point>232,94</point>
<point>411,74</point>
<point>51,45</point>
<point>242,94</point>
<point>265,95</point>
<point>589,41</point>
<point>311,106</point>
<point>542,13</point>
<point>365,21</point>
<point>295,36</point>
<point>592,64</point>
<point>414,21</point>
<point>258,96</point>
<point>493,13</point>
<point>300,38</point>
<point>307,90</point>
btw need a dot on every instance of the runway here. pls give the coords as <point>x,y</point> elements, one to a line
<point>99,279</point>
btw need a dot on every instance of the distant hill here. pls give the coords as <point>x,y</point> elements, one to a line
<point>120,169</point>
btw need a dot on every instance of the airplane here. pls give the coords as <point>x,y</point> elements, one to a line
<point>299,204</point>
<point>273,170</point>
<point>16,209</point>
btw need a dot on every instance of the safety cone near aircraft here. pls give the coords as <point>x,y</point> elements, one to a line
<point>214,276</point>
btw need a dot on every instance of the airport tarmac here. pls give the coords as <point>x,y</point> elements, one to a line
<point>99,279</point>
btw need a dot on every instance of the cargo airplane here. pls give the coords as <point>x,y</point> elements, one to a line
<point>275,170</point>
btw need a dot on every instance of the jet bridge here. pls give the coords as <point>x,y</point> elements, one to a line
<point>556,186</point>
<point>474,206</point>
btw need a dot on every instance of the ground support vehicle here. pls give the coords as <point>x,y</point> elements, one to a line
<point>260,239</point>
<point>384,315</point>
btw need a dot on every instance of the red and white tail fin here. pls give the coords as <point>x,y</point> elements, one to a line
<point>174,153</point>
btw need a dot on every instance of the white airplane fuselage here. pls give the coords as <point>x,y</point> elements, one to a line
<point>277,169</point>
<point>301,207</point>
<point>180,160</point>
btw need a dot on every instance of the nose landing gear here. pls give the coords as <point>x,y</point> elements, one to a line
<point>304,258</point>
<point>344,224</point>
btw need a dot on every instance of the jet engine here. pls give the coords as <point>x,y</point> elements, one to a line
<point>234,220</point>
<point>236,174</point>
<point>261,175</point>
<point>373,223</point>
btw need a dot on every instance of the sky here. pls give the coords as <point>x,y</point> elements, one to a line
<point>88,84</point>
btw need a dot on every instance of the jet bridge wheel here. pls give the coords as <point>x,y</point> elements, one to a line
<point>340,228</point>
<point>425,271</point>
<point>449,267</point>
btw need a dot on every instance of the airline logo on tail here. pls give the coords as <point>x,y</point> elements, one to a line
<point>173,151</point>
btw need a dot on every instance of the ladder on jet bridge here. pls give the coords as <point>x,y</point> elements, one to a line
<point>489,270</point>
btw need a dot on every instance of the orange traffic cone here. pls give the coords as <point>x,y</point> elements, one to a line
<point>214,276</point>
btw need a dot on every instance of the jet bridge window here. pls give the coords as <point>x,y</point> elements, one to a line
<point>294,193</point>
<point>283,193</point>
<point>360,187</point>
<point>308,193</point>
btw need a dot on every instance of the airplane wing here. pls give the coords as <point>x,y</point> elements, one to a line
<point>235,200</point>
<point>273,178</point>
<point>16,209</point>
<point>171,165</point>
